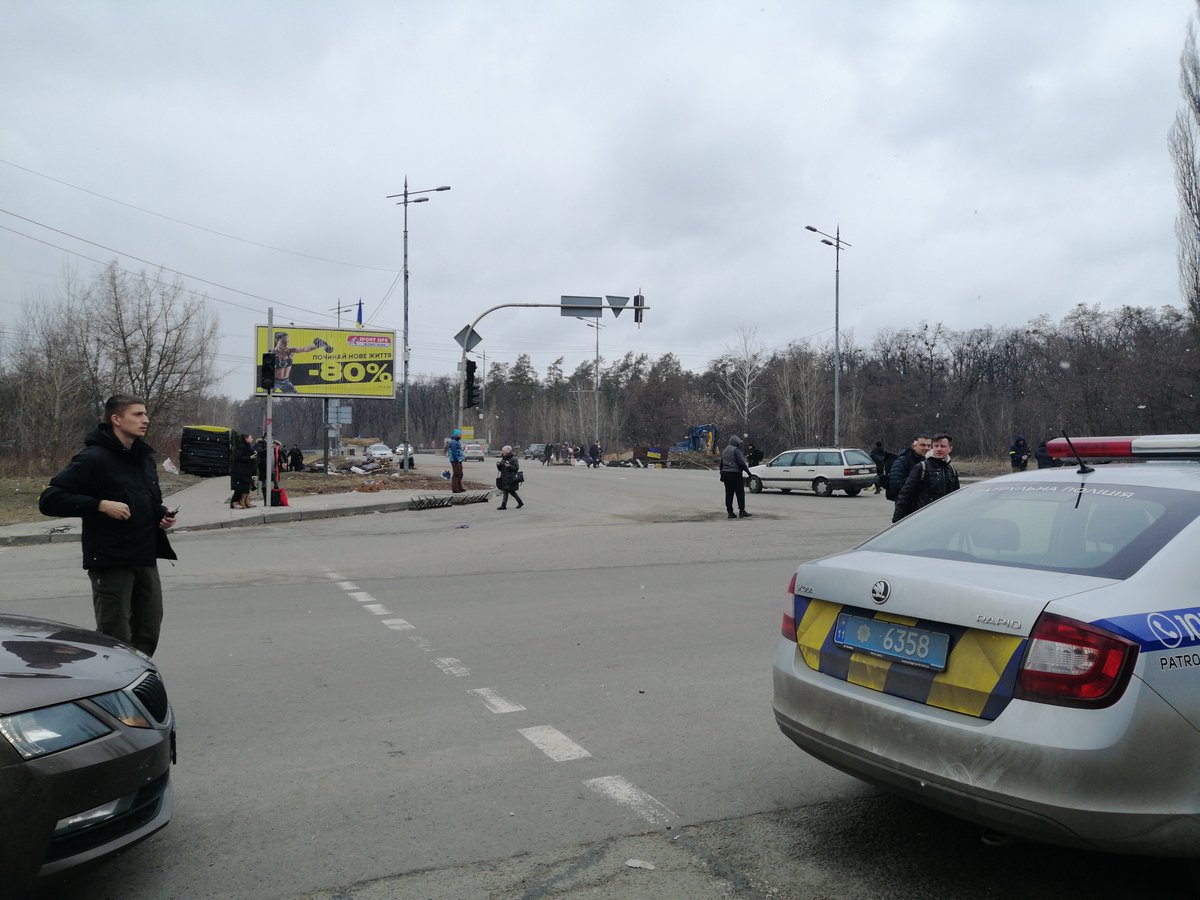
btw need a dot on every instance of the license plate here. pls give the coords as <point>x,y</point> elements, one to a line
<point>887,640</point>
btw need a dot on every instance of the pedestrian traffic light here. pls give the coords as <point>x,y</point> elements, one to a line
<point>638,302</point>
<point>472,390</point>
<point>266,372</point>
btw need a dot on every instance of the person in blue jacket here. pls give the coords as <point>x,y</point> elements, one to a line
<point>455,450</point>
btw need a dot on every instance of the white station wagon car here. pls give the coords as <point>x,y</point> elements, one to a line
<point>822,470</point>
<point>1024,653</point>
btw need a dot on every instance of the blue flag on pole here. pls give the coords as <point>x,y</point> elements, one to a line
<point>359,319</point>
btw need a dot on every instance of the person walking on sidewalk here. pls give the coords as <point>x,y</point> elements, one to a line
<point>733,464</point>
<point>510,477</point>
<point>455,451</point>
<point>112,484</point>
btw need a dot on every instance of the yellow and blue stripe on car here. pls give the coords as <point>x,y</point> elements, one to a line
<point>981,668</point>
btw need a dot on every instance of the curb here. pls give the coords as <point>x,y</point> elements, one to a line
<point>282,515</point>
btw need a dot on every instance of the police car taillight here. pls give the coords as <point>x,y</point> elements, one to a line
<point>1071,663</point>
<point>788,628</point>
<point>1150,446</point>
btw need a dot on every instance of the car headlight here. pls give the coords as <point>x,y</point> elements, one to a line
<point>50,729</point>
<point>121,707</point>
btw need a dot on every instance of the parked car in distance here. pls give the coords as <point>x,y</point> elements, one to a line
<point>380,453</point>
<point>822,470</point>
<point>535,451</point>
<point>1023,653</point>
<point>402,450</point>
<point>474,451</point>
<point>87,738</point>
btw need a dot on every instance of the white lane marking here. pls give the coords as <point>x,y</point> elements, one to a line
<point>348,585</point>
<point>625,792</point>
<point>452,666</point>
<point>495,702</point>
<point>422,643</point>
<point>334,576</point>
<point>362,596</point>
<point>554,743</point>
<point>397,625</point>
<point>377,609</point>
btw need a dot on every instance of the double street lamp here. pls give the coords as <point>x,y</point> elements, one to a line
<point>835,241</point>
<point>407,198</point>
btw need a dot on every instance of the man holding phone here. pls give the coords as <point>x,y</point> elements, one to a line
<point>112,484</point>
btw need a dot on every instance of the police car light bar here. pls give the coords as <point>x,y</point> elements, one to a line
<point>1150,446</point>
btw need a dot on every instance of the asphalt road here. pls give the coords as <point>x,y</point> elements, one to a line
<point>572,699</point>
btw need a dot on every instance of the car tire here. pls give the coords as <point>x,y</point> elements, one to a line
<point>755,484</point>
<point>853,492</point>
<point>822,488</point>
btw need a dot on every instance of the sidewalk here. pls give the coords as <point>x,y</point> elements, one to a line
<point>205,506</point>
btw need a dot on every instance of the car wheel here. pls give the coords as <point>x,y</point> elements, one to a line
<point>755,484</point>
<point>853,492</point>
<point>822,488</point>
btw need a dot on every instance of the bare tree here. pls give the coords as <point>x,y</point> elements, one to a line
<point>738,370</point>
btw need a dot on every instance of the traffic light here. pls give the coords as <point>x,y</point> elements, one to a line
<point>638,302</point>
<point>266,372</point>
<point>472,389</point>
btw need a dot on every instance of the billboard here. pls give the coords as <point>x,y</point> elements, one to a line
<point>328,362</point>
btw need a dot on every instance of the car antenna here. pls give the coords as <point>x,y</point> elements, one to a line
<point>1084,468</point>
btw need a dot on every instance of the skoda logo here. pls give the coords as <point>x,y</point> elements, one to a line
<point>1165,630</point>
<point>880,591</point>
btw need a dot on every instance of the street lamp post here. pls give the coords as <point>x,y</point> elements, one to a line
<point>596,375</point>
<point>835,241</point>
<point>407,198</point>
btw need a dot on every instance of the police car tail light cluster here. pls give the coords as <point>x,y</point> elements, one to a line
<point>788,628</point>
<point>1150,446</point>
<point>1070,663</point>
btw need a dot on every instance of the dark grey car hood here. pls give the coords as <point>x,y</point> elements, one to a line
<point>43,663</point>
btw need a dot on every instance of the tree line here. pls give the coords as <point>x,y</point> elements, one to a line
<point>1130,370</point>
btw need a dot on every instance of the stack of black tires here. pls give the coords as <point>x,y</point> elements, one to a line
<point>205,450</point>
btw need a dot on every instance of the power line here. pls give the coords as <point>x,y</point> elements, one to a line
<point>232,237</point>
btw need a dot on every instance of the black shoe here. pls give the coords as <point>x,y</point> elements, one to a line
<point>732,515</point>
<point>743,515</point>
<point>520,505</point>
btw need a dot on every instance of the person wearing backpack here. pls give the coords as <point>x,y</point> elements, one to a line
<point>931,479</point>
<point>903,464</point>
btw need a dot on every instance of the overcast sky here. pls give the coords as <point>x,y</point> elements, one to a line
<point>988,162</point>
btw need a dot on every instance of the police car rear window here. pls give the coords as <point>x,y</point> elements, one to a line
<point>1105,530</point>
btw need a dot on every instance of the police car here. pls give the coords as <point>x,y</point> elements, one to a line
<point>1023,653</point>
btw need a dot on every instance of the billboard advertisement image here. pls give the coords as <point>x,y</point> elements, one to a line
<point>328,362</point>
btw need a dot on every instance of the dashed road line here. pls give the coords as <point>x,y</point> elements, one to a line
<point>495,702</point>
<point>422,643</point>
<point>377,609</point>
<point>361,596</point>
<point>554,743</point>
<point>398,625</point>
<point>348,585</point>
<point>335,576</point>
<point>630,795</point>
<point>452,666</point>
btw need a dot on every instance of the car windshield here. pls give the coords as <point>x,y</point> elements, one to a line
<point>1105,530</point>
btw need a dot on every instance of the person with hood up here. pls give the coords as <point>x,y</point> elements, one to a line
<point>733,464</point>
<point>509,478</point>
<point>112,484</point>
<point>1018,453</point>
<point>455,451</point>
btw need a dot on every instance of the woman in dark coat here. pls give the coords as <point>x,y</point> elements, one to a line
<point>241,473</point>
<point>510,478</point>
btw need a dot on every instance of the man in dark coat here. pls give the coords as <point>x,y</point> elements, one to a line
<point>904,463</point>
<point>931,479</point>
<point>112,484</point>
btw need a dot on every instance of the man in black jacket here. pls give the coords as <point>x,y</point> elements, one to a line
<point>112,484</point>
<point>931,479</point>
<point>903,464</point>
